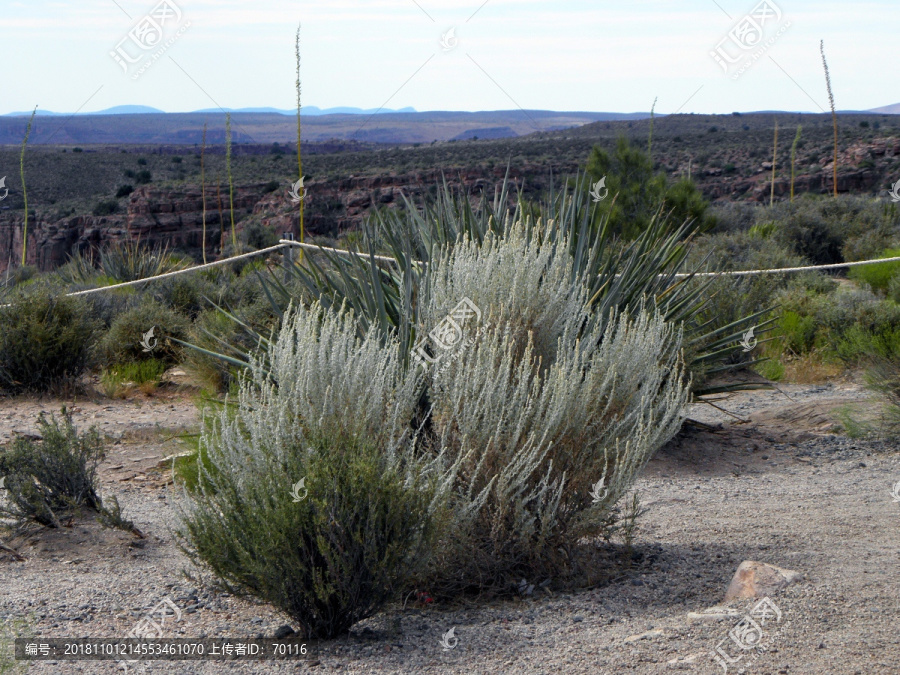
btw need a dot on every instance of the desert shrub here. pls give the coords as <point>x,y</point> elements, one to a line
<point>50,478</point>
<point>108,305</point>
<point>316,500</point>
<point>893,289</point>
<point>809,236</point>
<point>880,275</point>
<point>883,376</point>
<point>857,345</point>
<point>214,332</point>
<point>187,294</point>
<point>257,236</point>
<point>78,269</point>
<point>124,191</point>
<point>733,217</point>
<point>46,341</point>
<point>122,343</point>
<point>730,298</point>
<point>827,230</point>
<point>106,207</point>
<point>143,177</point>
<point>11,628</point>
<point>543,404</point>
<point>636,193</point>
<point>798,332</point>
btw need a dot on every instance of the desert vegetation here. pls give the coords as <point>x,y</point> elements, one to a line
<point>457,408</point>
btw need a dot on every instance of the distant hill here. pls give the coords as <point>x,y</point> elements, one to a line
<point>888,109</point>
<point>311,110</point>
<point>277,127</point>
<point>116,110</point>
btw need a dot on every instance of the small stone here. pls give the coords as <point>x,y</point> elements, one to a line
<point>648,635</point>
<point>283,632</point>
<point>755,579</point>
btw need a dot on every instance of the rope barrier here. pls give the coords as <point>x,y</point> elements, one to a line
<point>314,247</point>
<point>777,270</point>
<point>286,243</point>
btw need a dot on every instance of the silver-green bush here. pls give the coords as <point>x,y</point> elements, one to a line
<point>550,411</point>
<point>333,411</point>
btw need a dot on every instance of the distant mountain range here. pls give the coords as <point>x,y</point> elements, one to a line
<point>343,110</point>
<point>158,128</point>
<point>144,110</point>
<point>149,126</point>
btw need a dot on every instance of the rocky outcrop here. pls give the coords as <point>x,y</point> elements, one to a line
<point>174,217</point>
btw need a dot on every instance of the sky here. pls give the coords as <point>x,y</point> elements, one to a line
<point>701,56</point>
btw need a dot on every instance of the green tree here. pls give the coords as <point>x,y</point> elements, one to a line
<point>636,192</point>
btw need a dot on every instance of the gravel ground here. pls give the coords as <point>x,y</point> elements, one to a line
<point>774,487</point>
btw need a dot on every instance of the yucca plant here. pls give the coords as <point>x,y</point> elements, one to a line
<point>834,122</point>
<point>794,157</point>
<point>234,243</point>
<point>129,260</point>
<point>774,164</point>
<point>203,188</point>
<point>618,275</point>
<point>24,190</point>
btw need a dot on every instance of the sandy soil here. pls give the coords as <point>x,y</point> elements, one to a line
<point>769,482</point>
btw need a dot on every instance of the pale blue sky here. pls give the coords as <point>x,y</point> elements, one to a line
<point>561,55</point>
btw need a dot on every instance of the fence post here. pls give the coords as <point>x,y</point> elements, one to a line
<point>288,256</point>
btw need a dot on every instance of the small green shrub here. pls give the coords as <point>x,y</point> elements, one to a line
<point>798,332</point>
<point>46,342</point>
<point>124,191</point>
<point>123,343</point>
<point>186,294</point>
<point>880,275</point>
<point>53,477</point>
<point>10,629</point>
<point>893,289</point>
<point>143,177</point>
<point>857,345</point>
<point>215,332</point>
<point>258,236</point>
<point>115,380</point>
<point>883,376</point>
<point>106,207</point>
<point>764,230</point>
<point>18,276</point>
<point>771,369</point>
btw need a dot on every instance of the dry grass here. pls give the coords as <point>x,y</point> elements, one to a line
<point>811,369</point>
